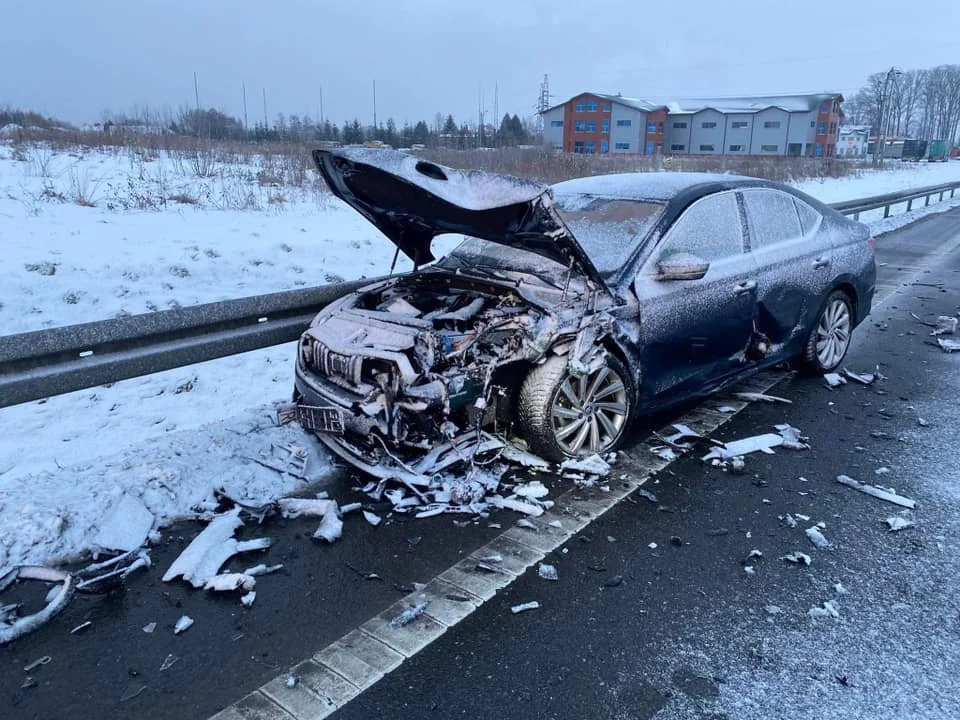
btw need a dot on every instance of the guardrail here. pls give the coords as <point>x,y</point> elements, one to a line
<point>855,207</point>
<point>44,363</point>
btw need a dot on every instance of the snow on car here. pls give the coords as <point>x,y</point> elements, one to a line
<point>566,310</point>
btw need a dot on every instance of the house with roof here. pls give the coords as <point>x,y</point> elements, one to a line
<point>774,125</point>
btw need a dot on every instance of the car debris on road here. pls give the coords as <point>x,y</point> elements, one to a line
<point>877,492</point>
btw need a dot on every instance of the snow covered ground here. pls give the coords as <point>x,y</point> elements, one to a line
<point>168,437</point>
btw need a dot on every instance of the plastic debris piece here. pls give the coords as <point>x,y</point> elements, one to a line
<point>527,525</point>
<point>592,465</point>
<point>149,627</point>
<point>922,423</point>
<point>124,526</point>
<point>895,523</point>
<point>168,662</point>
<point>556,524</point>
<point>291,681</point>
<point>862,378</point>
<point>737,465</point>
<point>726,409</point>
<point>81,627</point>
<point>792,440</point>
<point>228,582</point>
<point>305,507</point>
<point>372,518</point>
<point>754,554</point>
<point>948,346</point>
<point>547,572</point>
<point>45,660</point>
<point>513,454</point>
<point>761,397</point>
<point>523,607</point>
<point>331,526</point>
<point>24,625</point>
<point>744,446</point>
<point>495,558</point>
<point>409,615</point>
<point>797,557</point>
<point>262,569</point>
<point>816,537</point>
<point>183,624</point>
<point>517,505</point>
<point>834,379</point>
<point>647,494</point>
<point>877,492</point>
<point>533,490</point>
<point>665,453</point>
<point>829,609</point>
<point>946,325</point>
<point>652,546</point>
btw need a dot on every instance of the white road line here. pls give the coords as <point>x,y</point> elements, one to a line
<point>345,668</point>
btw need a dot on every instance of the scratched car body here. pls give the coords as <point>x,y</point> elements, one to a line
<point>567,310</point>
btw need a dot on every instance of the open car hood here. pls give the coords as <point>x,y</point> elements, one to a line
<point>411,201</point>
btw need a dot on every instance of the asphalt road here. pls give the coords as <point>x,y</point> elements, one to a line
<point>684,633</point>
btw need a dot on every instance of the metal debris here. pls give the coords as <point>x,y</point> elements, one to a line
<point>183,624</point>
<point>877,492</point>
<point>81,627</point>
<point>547,572</point>
<point>797,558</point>
<point>523,607</point>
<point>24,625</point>
<point>817,537</point>
<point>735,448</point>
<point>45,660</point>
<point>409,615</point>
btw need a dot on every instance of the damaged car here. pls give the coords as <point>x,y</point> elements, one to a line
<point>566,311</point>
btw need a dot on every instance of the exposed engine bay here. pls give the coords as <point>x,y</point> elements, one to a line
<point>419,359</point>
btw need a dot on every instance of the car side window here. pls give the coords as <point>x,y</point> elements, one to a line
<point>772,217</point>
<point>709,229</point>
<point>809,218</point>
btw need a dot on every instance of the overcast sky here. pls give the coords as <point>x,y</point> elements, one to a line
<point>76,59</point>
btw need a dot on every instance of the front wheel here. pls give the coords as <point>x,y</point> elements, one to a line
<point>563,415</point>
<point>830,338</point>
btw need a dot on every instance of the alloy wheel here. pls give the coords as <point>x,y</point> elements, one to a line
<point>589,412</point>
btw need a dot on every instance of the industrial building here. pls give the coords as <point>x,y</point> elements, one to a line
<point>785,125</point>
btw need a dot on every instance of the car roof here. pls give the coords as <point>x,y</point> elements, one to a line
<point>659,186</point>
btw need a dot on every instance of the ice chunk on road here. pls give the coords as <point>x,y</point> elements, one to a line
<point>227,582</point>
<point>797,557</point>
<point>593,465</point>
<point>946,325</point>
<point>531,490</point>
<point>948,346</point>
<point>183,624</point>
<point>895,523</point>
<point>547,572</point>
<point>124,526</point>
<point>829,609</point>
<point>834,379</point>
<point>305,507</point>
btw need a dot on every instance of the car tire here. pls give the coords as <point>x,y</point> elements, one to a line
<point>829,337</point>
<point>561,415</point>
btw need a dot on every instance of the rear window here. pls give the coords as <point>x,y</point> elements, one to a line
<point>608,229</point>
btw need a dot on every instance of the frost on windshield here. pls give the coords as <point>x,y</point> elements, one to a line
<point>607,229</point>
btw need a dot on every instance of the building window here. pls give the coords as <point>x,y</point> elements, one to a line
<point>825,108</point>
<point>578,147</point>
<point>556,123</point>
<point>591,126</point>
<point>679,125</point>
<point>706,148</point>
<point>580,126</point>
<point>624,123</point>
<point>736,148</point>
<point>836,106</point>
<point>770,148</point>
<point>708,125</point>
<point>678,148</point>
<point>604,147</point>
<point>739,124</point>
<point>606,107</point>
<point>586,106</point>
<point>821,128</point>
<point>819,152</point>
<point>660,127</point>
<point>771,124</point>
<point>813,123</point>
<point>651,127</point>
<point>622,146</point>
<point>591,147</point>
<point>829,150</point>
<point>649,149</point>
<point>833,128</point>
<point>605,126</point>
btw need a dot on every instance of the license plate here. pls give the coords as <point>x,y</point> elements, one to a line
<point>320,419</point>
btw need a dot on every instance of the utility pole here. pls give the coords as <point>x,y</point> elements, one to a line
<point>320,109</point>
<point>543,103</point>
<point>265,125</point>
<point>882,133</point>
<point>196,90</point>
<point>374,106</point>
<point>244,85</point>
<point>496,114</point>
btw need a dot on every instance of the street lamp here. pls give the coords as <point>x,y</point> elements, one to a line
<point>878,149</point>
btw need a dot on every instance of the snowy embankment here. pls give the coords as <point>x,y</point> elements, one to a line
<point>95,236</point>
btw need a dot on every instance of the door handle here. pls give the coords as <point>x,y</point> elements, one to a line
<point>820,262</point>
<point>744,287</point>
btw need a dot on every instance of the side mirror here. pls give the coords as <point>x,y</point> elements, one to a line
<point>682,266</point>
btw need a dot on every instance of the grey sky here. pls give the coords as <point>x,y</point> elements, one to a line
<point>75,59</point>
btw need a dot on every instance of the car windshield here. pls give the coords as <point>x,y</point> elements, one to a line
<point>607,229</point>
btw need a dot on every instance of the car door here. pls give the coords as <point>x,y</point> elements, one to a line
<point>692,330</point>
<point>794,265</point>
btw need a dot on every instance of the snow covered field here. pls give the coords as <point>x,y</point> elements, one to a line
<point>78,247</point>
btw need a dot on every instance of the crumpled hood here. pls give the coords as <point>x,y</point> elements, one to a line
<point>411,201</point>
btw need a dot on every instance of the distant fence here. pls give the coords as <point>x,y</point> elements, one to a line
<point>44,363</point>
